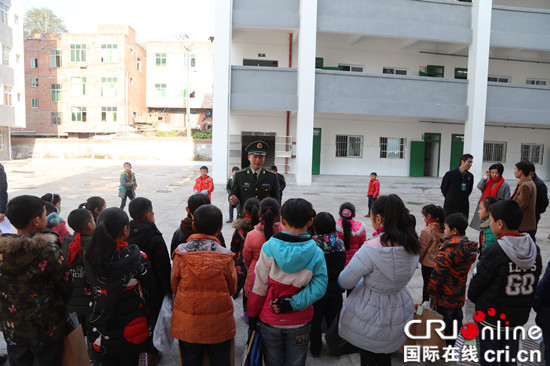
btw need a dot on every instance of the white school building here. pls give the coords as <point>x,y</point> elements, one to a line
<point>399,87</point>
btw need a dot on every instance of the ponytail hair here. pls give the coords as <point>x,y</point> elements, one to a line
<point>398,227</point>
<point>269,209</point>
<point>93,203</point>
<point>252,208</point>
<point>111,223</point>
<point>436,212</point>
<point>346,212</point>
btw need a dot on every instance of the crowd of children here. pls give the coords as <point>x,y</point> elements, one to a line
<point>114,273</point>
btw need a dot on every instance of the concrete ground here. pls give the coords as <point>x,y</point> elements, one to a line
<point>169,184</point>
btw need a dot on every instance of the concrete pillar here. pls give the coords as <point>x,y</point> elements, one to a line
<point>478,71</point>
<point>306,90</point>
<point>222,90</point>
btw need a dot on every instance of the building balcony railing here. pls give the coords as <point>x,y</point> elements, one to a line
<point>436,20</point>
<point>391,95</point>
<point>283,14</point>
<point>264,88</point>
<point>518,103</point>
<point>520,28</point>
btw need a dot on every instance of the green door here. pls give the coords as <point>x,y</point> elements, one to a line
<point>316,163</point>
<point>457,148</point>
<point>418,151</point>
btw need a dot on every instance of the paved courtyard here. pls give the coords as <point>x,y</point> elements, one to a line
<point>169,184</point>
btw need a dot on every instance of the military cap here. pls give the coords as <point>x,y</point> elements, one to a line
<point>257,148</point>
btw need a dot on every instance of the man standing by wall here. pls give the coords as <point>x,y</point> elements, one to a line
<point>254,181</point>
<point>456,186</point>
<point>525,195</point>
<point>542,194</point>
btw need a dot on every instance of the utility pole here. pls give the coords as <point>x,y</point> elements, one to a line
<point>187,47</point>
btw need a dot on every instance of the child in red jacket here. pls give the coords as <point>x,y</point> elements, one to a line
<point>374,190</point>
<point>204,184</point>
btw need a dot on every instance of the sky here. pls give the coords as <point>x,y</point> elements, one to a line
<point>156,20</point>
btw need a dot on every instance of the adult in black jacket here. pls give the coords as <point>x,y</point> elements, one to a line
<point>456,186</point>
<point>542,307</point>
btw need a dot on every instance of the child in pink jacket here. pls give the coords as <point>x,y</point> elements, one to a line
<point>269,212</point>
<point>350,231</point>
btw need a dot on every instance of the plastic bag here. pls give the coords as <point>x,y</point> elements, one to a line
<point>161,335</point>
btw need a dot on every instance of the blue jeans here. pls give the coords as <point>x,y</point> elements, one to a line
<point>448,316</point>
<point>284,346</point>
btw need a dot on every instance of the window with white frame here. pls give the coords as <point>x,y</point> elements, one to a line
<point>34,62</point>
<point>78,114</point>
<point>34,102</point>
<point>160,59</point>
<point>349,146</point>
<point>189,56</point>
<point>2,138</point>
<point>78,53</point>
<point>350,68</point>
<point>494,152</point>
<point>394,71</point>
<point>499,79</point>
<point>160,90</point>
<point>532,153</point>
<point>78,86</point>
<point>56,92</point>
<point>138,64</point>
<point>55,59</point>
<point>108,114</point>
<point>4,9</point>
<point>109,53</point>
<point>34,82</point>
<point>392,147</point>
<point>109,87</point>
<point>7,94</point>
<point>6,55</point>
<point>537,82</point>
<point>57,118</point>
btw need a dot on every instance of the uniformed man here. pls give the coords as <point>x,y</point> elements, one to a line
<point>254,181</point>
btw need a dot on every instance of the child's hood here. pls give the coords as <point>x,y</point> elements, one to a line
<point>520,249</point>
<point>357,227</point>
<point>484,223</point>
<point>291,252</point>
<point>205,258</point>
<point>17,253</point>
<point>393,261</point>
<point>468,248</point>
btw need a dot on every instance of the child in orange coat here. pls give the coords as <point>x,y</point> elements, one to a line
<point>204,184</point>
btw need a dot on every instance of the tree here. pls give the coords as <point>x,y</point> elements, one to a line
<point>43,21</point>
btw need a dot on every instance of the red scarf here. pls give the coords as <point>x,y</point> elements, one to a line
<point>492,187</point>
<point>430,222</point>
<point>120,244</point>
<point>74,248</point>
<point>378,231</point>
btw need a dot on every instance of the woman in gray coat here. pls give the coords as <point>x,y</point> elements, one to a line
<point>375,313</point>
<point>492,184</point>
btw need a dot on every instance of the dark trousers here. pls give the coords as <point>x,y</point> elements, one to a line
<point>371,201</point>
<point>48,354</point>
<point>328,308</point>
<point>448,316</point>
<point>374,359</point>
<point>284,346</point>
<point>131,359</point>
<point>193,353</point>
<point>545,326</point>
<point>129,194</point>
<point>426,273</point>
<point>495,345</point>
